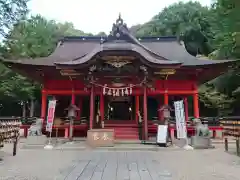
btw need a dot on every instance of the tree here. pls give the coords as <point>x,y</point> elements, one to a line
<point>67,29</point>
<point>189,21</point>
<point>101,34</point>
<point>31,38</point>
<point>214,99</point>
<point>206,31</point>
<point>10,12</point>
<point>37,37</point>
<point>227,42</point>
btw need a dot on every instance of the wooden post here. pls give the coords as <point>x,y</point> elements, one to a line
<point>80,109</point>
<point>196,105</point>
<point>237,146</point>
<point>44,105</point>
<point>66,132</point>
<point>91,108</point>
<point>195,101</point>
<point>136,108</point>
<point>15,142</point>
<point>165,98</point>
<point>159,107</point>
<point>73,98</point>
<point>145,113</point>
<point>102,107</point>
<point>226,144</point>
<point>185,100</point>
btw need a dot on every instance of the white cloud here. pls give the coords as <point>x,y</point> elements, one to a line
<point>98,15</point>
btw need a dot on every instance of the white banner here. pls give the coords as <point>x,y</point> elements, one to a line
<point>180,120</point>
<point>50,115</point>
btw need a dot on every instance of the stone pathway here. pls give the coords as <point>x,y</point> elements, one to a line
<point>212,164</point>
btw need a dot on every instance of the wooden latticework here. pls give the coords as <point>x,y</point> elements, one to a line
<point>9,132</point>
<point>231,127</point>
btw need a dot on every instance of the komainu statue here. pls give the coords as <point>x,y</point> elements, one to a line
<point>36,128</point>
<point>202,130</point>
<point>202,139</point>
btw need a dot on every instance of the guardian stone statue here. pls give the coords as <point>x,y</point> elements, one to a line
<point>202,130</point>
<point>36,128</point>
<point>202,139</point>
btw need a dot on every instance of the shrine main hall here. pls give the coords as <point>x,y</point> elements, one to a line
<point>119,81</point>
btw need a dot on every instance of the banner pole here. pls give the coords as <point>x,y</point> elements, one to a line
<point>50,119</point>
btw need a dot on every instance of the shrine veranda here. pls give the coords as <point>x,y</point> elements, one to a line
<point>119,80</point>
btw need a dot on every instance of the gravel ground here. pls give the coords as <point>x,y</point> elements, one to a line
<point>213,164</point>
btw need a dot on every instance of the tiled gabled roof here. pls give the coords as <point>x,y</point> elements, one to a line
<point>156,50</point>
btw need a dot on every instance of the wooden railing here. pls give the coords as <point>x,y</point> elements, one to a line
<point>231,129</point>
<point>9,131</point>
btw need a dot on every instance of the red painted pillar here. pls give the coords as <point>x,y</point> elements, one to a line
<point>196,105</point>
<point>44,105</point>
<point>136,108</point>
<point>159,107</point>
<point>185,100</point>
<point>91,108</point>
<point>145,120</point>
<point>80,107</point>
<point>102,107</point>
<point>73,98</point>
<point>166,98</point>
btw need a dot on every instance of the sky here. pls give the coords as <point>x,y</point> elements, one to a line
<point>93,16</point>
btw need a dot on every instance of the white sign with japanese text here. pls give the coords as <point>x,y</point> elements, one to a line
<point>180,120</point>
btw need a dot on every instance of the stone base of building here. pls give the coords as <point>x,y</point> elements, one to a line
<point>201,142</point>
<point>100,137</point>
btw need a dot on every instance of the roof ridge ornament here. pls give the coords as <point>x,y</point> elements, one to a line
<point>119,21</point>
<point>119,24</point>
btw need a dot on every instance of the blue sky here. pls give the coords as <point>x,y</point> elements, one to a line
<point>98,15</point>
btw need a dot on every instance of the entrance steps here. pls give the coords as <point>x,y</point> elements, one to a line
<point>125,133</point>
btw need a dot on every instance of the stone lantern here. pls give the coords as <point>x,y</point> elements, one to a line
<point>166,110</point>
<point>72,109</point>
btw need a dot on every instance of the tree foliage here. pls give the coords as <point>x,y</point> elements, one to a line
<point>10,12</point>
<point>31,38</point>
<point>212,32</point>
<point>189,21</point>
<point>36,37</point>
<point>214,99</point>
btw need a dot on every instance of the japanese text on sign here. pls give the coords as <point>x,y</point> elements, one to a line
<point>98,136</point>
<point>50,116</point>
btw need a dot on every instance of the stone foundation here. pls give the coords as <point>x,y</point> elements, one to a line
<point>100,137</point>
<point>201,142</point>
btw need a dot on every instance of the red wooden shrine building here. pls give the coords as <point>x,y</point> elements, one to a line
<point>113,79</point>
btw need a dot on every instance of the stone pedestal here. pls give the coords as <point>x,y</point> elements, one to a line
<point>201,142</point>
<point>36,140</point>
<point>100,137</point>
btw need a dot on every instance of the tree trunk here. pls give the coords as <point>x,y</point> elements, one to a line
<point>24,109</point>
<point>32,107</point>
